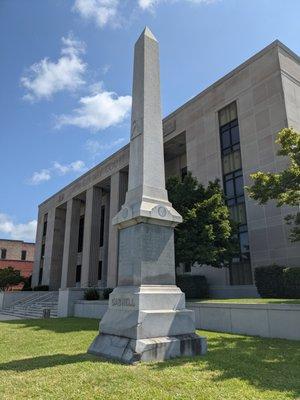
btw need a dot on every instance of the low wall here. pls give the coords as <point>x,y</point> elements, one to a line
<point>90,309</point>
<point>233,291</point>
<point>265,320</point>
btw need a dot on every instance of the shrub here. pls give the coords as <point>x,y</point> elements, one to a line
<point>41,288</point>
<point>291,280</point>
<point>106,293</point>
<point>194,286</point>
<point>27,284</point>
<point>269,281</point>
<point>91,294</point>
<point>9,277</point>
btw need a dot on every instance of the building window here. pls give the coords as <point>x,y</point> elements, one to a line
<point>240,272</point>
<point>43,251</point>
<point>102,221</point>
<point>23,255</point>
<point>45,225</point>
<point>80,235</point>
<point>3,254</point>
<point>40,276</point>
<point>78,273</point>
<point>184,172</point>
<point>99,270</point>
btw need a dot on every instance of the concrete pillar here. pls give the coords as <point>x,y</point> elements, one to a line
<point>48,247</point>
<point>57,249</point>
<point>104,249</point>
<point>90,252</point>
<point>112,257</point>
<point>38,250</point>
<point>68,278</point>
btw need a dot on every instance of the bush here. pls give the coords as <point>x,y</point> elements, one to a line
<point>91,294</point>
<point>291,280</point>
<point>269,281</point>
<point>27,284</point>
<point>106,293</point>
<point>194,286</point>
<point>41,288</point>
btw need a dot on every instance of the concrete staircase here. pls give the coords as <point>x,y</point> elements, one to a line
<point>33,306</point>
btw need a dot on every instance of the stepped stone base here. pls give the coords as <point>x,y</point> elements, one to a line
<point>130,351</point>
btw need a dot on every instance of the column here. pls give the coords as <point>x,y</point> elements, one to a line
<point>91,249</point>
<point>57,249</point>
<point>48,246</point>
<point>38,250</point>
<point>68,278</point>
<point>114,206</point>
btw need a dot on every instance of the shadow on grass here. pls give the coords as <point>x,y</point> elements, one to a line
<point>49,361</point>
<point>265,364</point>
<point>58,325</point>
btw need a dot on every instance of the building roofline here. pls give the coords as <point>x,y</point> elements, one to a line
<point>86,173</point>
<point>15,240</point>
<point>275,43</point>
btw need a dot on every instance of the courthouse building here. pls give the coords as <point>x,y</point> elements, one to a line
<point>226,132</point>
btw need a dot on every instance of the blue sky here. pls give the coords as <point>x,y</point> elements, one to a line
<point>66,74</point>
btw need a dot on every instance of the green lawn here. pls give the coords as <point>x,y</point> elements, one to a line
<point>248,301</point>
<point>46,359</point>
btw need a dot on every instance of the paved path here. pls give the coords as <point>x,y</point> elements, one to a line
<point>4,317</point>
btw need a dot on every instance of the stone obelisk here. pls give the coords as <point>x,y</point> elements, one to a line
<point>146,319</point>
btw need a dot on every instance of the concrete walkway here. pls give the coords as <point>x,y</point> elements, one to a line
<point>4,317</point>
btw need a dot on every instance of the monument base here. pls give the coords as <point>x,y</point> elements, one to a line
<point>130,351</point>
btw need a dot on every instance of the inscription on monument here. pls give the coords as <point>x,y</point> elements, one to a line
<point>122,302</point>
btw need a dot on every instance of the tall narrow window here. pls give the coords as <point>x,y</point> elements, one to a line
<point>184,172</point>
<point>23,255</point>
<point>3,254</point>
<point>78,273</point>
<point>80,235</point>
<point>102,221</point>
<point>45,225</point>
<point>100,270</point>
<point>240,272</point>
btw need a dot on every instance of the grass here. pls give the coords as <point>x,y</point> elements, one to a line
<point>249,301</point>
<point>46,359</point>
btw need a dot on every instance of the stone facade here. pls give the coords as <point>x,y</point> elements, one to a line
<point>266,92</point>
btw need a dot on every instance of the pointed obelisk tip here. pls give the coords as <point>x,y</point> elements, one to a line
<point>148,33</point>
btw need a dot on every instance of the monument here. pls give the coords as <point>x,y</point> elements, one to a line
<point>146,319</point>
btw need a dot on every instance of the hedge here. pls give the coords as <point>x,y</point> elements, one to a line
<point>194,286</point>
<point>291,279</point>
<point>275,281</point>
<point>269,281</point>
<point>91,294</point>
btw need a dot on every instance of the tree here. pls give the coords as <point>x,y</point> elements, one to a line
<point>284,187</point>
<point>9,277</point>
<point>206,235</point>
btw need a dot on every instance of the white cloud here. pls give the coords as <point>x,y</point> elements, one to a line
<point>149,4</point>
<point>46,77</point>
<point>40,176</point>
<point>95,147</point>
<point>98,111</point>
<point>102,12</point>
<point>63,169</point>
<point>17,231</point>
<point>57,169</point>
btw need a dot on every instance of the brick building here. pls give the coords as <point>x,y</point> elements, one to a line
<point>17,254</point>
